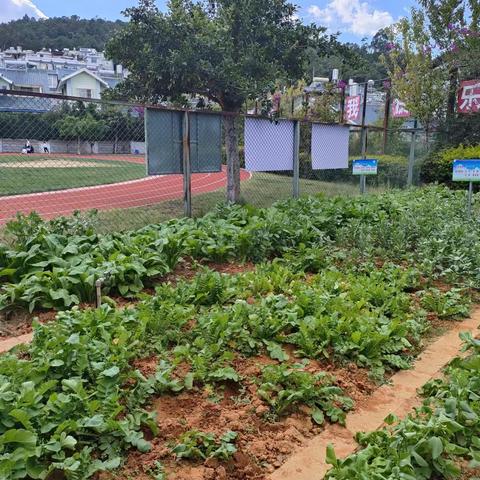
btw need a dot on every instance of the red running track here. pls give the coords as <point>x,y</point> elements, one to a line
<point>134,193</point>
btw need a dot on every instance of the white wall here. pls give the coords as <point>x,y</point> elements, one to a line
<point>137,148</point>
<point>15,145</point>
<point>83,81</point>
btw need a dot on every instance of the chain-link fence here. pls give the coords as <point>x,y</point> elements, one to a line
<point>59,155</point>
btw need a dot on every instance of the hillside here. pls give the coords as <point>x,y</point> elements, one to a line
<point>56,33</point>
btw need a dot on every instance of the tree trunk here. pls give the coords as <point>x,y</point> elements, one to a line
<point>452,92</point>
<point>233,159</point>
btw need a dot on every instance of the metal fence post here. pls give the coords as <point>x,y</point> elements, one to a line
<point>363,179</point>
<point>296,159</point>
<point>342,106</point>
<point>187,171</point>
<point>470,199</point>
<point>386,121</point>
<point>411,159</point>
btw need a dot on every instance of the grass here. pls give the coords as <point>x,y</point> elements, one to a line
<point>15,181</point>
<point>262,190</point>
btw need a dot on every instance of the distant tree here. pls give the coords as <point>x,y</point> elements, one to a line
<point>227,51</point>
<point>380,42</point>
<point>57,33</point>
<point>121,126</point>
<point>427,57</point>
<point>454,29</point>
<point>417,79</point>
<point>85,128</point>
<point>360,62</point>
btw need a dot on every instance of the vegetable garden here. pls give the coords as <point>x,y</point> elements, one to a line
<point>224,342</point>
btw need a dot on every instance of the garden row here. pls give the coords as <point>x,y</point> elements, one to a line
<point>55,264</point>
<point>75,400</point>
<point>441,439</point>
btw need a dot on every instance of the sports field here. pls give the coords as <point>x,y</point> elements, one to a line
<point>20,174</point>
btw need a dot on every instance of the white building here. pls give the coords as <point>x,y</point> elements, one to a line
<point>81,73</point>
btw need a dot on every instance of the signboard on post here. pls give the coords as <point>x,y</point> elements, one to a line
<point>466,171</point>
<point>399,110</point>
<point>365,167</point>
<point>469,96</point>
<point>352,108</point>
<point>164,135</point>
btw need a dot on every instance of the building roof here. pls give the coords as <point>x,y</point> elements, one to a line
<point>78,72</point>
<point>3,77</point>
<point>27,77</point>
<point>36,77</point>
<point>112,82</point>
<point>315,87</point>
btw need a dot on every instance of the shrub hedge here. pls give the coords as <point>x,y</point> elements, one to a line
<point>437,167</point>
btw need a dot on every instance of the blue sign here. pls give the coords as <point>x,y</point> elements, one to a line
<point>365,167</point>
<point>466,170</point>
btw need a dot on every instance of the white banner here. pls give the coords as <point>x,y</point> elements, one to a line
<point>268,145</point>
<point>329,146</point>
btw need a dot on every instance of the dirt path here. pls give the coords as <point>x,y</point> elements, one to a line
<point>9,343</point>
<point>398,397</point>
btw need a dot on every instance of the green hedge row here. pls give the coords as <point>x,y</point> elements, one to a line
<point>392,171</point>
<point>438,166</point>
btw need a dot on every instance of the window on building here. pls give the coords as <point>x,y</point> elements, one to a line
<point>84,92</point>
<point>28,88</point>
<point>52,81</point>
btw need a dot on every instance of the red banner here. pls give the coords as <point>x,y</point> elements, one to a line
<point>352,108</point>
<point>399,110</point>
<point>469,97</point>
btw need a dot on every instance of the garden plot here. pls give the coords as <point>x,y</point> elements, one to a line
<point>220,375</point>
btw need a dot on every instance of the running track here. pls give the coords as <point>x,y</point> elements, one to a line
<point>134,193</point>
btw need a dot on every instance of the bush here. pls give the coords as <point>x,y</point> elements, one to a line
<point>438,166</point>
<point>392,171</point>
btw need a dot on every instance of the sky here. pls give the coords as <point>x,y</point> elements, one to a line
<point>356,19</point>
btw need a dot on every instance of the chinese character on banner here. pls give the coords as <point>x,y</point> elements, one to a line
<point>399,110</point>
<point>469,96</point>
<point>352,108</point>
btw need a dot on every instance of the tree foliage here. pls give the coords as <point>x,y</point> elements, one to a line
<point>361,62</point>
<point>57,33</point>
<point>86,128</point>
<point>227,50</point>
<point>118,125</point>
<point>416,78</point>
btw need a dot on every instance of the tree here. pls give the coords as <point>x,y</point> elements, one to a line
<point>380,42</point>
<point>454,28</point>
<point>81,128</point>
<point>429,55</point>
<point>359,62</point>
<point>226,50</point>
<point>417,79</point>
